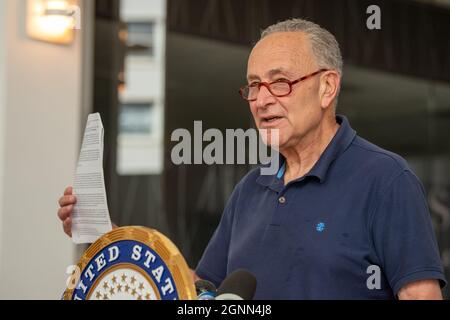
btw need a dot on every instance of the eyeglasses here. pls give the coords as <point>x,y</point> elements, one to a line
<point>279,88</point>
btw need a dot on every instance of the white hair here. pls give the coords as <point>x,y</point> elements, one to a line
<point>324,45</point>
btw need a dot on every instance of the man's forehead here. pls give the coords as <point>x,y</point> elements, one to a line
<point>271,72</point>
<point>279,53</point>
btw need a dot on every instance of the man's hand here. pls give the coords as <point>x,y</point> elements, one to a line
<point>421,290</point>
<point>66,203</point>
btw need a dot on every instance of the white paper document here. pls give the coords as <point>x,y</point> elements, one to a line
<point>90,218</point>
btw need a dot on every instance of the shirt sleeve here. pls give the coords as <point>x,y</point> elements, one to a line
<point>403,235</point>
<point>213,264</point>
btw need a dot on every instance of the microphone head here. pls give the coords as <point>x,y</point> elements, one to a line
<point>204,285</point>
<point>239,284</point>
<point>205,290</point>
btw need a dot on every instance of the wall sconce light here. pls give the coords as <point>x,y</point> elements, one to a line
<point>52,20</point>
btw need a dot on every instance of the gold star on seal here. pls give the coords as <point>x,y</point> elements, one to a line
<point>133,280</point>
<point>114,279</point>
<point>105,285</point>
<point>141,286</point>
<point>124,277</point>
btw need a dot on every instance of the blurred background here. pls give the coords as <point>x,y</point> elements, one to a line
<point>153,66</point>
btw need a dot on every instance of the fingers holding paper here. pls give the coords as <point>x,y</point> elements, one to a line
<point>66,203</point>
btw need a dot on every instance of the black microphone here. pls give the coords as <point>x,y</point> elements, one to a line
<point>240,285</point>
<point>205,290</point>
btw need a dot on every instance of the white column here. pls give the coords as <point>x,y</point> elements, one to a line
<point>2,111</point>
<point>40,129</point>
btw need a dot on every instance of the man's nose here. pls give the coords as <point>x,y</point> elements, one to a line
<point>264,98</point>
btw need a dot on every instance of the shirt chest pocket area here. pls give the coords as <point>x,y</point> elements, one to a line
<point>316,242</point>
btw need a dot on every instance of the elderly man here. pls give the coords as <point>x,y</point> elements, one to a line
<point>339,209</point>
<point>342,218</point>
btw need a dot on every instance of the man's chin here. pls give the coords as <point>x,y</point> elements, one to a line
<point>276,143</point>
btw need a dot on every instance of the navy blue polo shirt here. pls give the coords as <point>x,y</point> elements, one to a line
<point>357,226</point>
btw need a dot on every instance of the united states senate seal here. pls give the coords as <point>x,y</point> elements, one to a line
<point>132,263</point>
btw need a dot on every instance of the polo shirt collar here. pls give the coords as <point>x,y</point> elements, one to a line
<point>340,142</point>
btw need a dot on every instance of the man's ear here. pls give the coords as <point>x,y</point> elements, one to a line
<point>330,82</point>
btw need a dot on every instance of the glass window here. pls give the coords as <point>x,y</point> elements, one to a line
<point>140,38</point>
<point>136,118</point>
